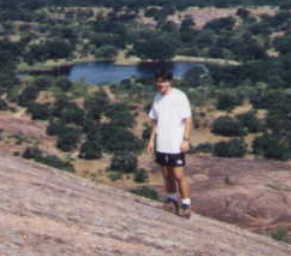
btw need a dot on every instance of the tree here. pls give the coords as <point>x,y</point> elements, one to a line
<point>160,47</point>
<point>108,52</point>
<point>197,76</point>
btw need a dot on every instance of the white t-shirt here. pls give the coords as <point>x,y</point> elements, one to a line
<point>170,112</point>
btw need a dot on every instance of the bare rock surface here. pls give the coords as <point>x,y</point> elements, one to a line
<point>44,211</point>
<point>255,194</point>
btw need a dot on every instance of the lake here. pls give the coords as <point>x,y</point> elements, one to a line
<point>106,72</point>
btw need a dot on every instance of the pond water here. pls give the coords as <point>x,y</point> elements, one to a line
<point>106,72</point>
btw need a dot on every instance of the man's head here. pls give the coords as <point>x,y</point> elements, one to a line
<point>163,81</point>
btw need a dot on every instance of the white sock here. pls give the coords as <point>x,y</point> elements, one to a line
<point>173,196</point>
<point>186,201</point>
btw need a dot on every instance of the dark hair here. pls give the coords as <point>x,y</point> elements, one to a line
<point>164,75</point>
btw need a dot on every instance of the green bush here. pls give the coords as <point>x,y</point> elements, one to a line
<point>250,121</point>
<point>147,192</point>
<point>64,83</point>
<point>73,114</point>
<point>28,95</point>
<point>141,176</point>
<point>204,147</point>
<point>50,160</point>
<point>127,141</point>
<point>272,147</point>
<point>90,150</point>
<point>234,148</point>
<point>39,111</point>
<point>43,82</point>
<point>125,162</point>
<point>228,126</point>
<point>279,234</point>
<point>68,140</point>
<point>228,101</point>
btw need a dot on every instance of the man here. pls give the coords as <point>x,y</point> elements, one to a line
<point>172,127</point>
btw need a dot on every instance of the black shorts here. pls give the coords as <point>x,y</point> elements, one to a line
<point>170,160</point>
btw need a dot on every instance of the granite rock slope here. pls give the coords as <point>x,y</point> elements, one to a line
<point>44,211</point>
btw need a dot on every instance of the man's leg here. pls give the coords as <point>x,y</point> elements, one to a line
<point>169,180</point>
<point>184,190</point>
<point>172,202</point>
<point>182,182</point>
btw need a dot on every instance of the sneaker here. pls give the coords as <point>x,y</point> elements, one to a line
<point>185,211</point>
<point>171,205</point>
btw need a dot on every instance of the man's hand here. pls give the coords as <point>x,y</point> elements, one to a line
<point>150,148</point>
<point>185,146</point>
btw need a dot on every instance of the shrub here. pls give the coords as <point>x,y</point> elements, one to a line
<point>141,176</point>
<point>228,126</point>
<point>39,111</point>
<point>279,234</point>
<point>55,127</point>
<point>64,83</point>
<point>228,101</point>
<point>272,147</point>
<point>204,147</point>
<point>124,162</point>
<point>90,150</point>
<point>27,96</point>
<point>50,160</point>
<point>250,121</point>
<point>147,192</point>
<point>43,82</point>
<point>73,114</point>
<point>127,141</point>
<point>3,105</point>
<point>234,148</point>
<point>68,140</point>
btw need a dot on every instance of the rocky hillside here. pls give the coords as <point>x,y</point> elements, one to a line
<point>254,194</point>
<point>46,212</point>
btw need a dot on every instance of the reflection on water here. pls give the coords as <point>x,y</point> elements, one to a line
<point>106,72</point>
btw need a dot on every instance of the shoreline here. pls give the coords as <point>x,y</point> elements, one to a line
<point>62,66</point>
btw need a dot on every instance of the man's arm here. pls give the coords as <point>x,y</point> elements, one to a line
<point>151,145</point>
<point>185,146</point>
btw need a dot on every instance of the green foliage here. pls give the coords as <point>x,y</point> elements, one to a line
<point>271,146</point>
<point>204,147</point>
<point>279,234</point>
<point>72,113</point>
<point>3,105</point>
<point>197,76</point>
<point>228,126</point>
<point>90,150</point>
<point>28,96</point>
<point>68,140</point>
<point>141,176</point>
<point>157,47</point>
<point>107,52</point>
<point>64,83</point>
<point>227,101</point>
<point>147,192</point>
<point>234,148</point>
<point>50,160</point>
<point>250,121</point>
<point>126,140</point>
<point>125,162</point>
<point>43,82</point>
<point>120,115</point>
<point>39,111</point>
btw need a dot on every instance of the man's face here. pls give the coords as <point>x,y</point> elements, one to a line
<point>163,86</point>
